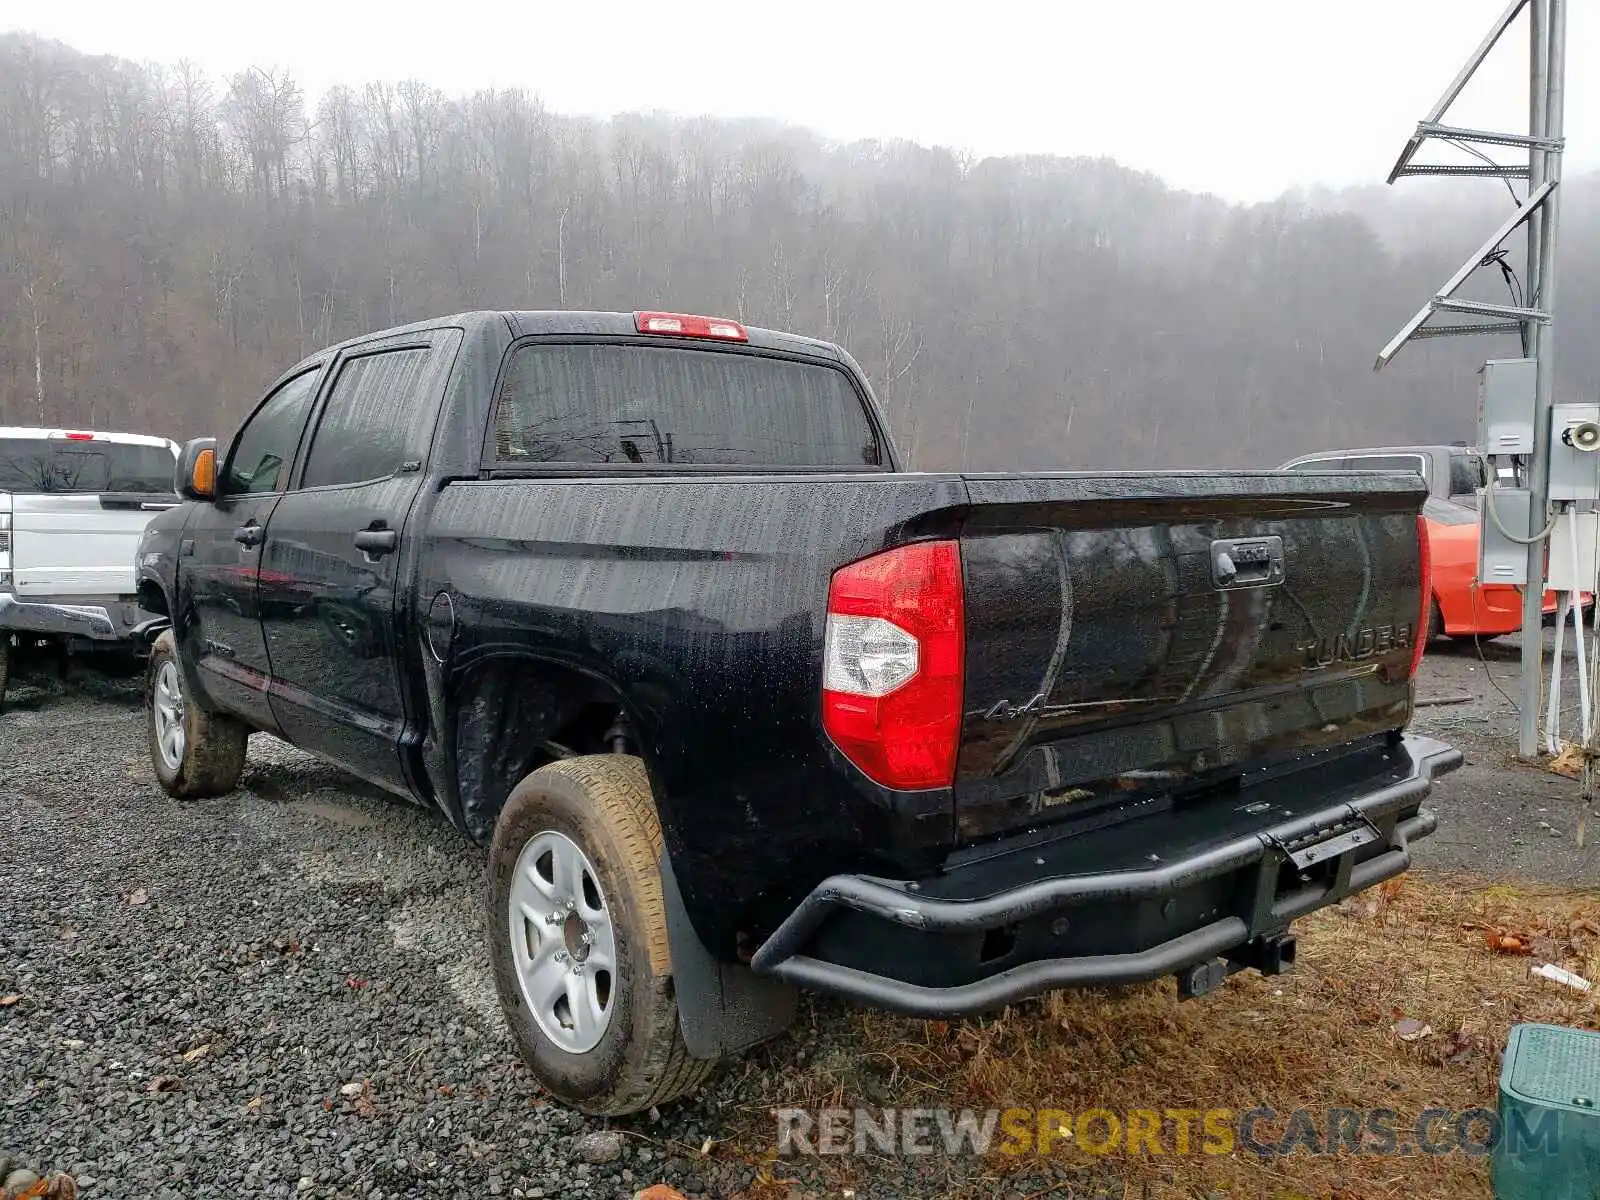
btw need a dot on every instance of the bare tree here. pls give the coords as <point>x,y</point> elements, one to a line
<point>168,245</point>
<point>34,265</point>
<point>264,112</point>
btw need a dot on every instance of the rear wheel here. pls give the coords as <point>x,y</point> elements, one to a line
<point>1435,622</point>
<point>5,666</point>
<point>194,753</point>
<point>578,932</point>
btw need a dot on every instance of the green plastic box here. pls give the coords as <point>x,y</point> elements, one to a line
<point>1549,1144</point>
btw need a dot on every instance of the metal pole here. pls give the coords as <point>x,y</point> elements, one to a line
<point>1538,19</point>
<point>1547,38</point>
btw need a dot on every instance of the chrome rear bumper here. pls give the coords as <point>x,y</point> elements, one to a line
<point>97,619</point>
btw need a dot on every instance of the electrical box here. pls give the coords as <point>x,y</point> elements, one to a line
<point>1575,452</point>
<point>1501,560</point>
<point>1548,1146</point>
<point>1506,388</point>
<point>1573,543</point>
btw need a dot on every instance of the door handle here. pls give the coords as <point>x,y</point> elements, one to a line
<point>377,542</point>
<point>248,536</point>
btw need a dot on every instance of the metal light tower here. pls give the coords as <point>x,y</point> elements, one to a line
<point>1547,43</point>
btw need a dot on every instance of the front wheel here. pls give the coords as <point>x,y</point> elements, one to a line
<point>194,753</point>
<point>578,933</point>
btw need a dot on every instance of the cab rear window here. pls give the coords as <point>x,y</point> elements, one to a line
<point>661,405</point>
<point>55,465</point>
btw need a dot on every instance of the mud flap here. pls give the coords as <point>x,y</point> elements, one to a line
<point>723,1008</point>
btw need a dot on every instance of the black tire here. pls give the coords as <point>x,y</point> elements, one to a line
<point>1435,622</point>
<point>6,654</point>
<point>213,751</point>
<point>602,803</point>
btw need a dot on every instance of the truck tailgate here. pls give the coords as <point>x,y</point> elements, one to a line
<point>77,544</point>
<point>1130,639</point>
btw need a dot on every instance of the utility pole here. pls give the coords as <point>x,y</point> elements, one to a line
<point>1547,42</point>
<point>1532,317</point>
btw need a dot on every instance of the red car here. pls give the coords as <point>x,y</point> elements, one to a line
<point>1462,607</point>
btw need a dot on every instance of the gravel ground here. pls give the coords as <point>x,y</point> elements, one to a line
<point>1497,817</point>
<point>285,992</point>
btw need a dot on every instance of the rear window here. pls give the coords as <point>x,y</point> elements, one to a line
<point>663,405</point>
<point>57,465</point>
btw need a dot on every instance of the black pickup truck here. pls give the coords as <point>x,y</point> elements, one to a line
<point>647,603</point>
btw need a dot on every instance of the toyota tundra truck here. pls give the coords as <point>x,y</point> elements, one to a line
<point>649,605</point>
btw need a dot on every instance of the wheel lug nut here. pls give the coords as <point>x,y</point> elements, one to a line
<point>561,956</point>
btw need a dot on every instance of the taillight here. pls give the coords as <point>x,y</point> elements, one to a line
<point>893,664</point>
<point>685,325</point>
<point>1419,640</point>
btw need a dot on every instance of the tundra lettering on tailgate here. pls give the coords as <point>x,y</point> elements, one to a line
<point>1354,647</point>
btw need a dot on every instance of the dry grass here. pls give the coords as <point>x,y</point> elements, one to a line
<point>1569,762</point>
<point>1451,955</point>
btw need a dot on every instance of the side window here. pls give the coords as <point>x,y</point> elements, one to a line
<point>265,447</point>
<point>1388,462</point>
<point>364,428</point>
<point>1468,473</point>
<point>1316,466</point>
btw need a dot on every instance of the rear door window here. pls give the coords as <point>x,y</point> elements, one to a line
<point>1313,466</point>
<point>1388,462</point>
<point>362,433</point>
<point>658,405</point>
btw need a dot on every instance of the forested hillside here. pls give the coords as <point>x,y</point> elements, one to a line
<point>170,242</point>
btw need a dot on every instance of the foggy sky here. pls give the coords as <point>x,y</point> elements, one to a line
<point>1277,93</point>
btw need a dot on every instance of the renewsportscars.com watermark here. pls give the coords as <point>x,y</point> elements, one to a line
<point>1261,1131</point>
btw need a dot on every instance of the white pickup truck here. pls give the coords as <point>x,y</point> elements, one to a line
<point>72,508</point>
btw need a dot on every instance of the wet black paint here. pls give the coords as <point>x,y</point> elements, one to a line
<point>1103,662</point>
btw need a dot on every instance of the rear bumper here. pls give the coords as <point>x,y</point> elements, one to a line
<point>1125,904</point>
<point>96,619</point>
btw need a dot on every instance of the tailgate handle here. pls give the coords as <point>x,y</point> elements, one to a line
<point>1247,562</point>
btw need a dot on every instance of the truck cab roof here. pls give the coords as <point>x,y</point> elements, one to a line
<point>580,323</point>
<point>81,435</point>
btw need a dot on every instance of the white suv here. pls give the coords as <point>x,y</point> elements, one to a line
<point>72,508</point>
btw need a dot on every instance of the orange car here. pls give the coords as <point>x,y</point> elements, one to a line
<point>1462,607</point>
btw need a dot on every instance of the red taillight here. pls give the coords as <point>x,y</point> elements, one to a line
<point>684,325</point>
<point>893,664</point>
<point>1419,637</point>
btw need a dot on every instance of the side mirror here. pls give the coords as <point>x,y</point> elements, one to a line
<point>197,470</point>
